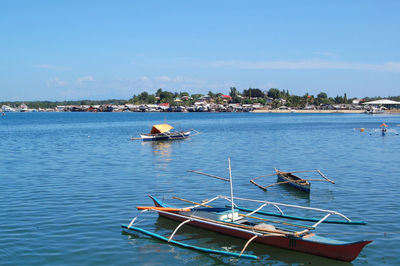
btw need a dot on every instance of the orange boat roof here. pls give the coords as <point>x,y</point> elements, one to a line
<point>161,128</point>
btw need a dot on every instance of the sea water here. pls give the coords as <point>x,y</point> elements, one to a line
<point>70,180</point>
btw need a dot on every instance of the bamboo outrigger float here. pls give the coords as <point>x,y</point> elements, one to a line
<point>288,178</point>
<point>229,221</point>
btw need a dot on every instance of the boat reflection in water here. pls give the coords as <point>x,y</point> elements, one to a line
<point>162,148</point>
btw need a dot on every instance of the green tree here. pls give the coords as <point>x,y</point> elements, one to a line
<point>196,96</point>
<point>143,97</point>
<point>211,94</point>
<point>235,95</point>
<point>183,94</point>
<point>159,91</point>
<point>338,99</point>
<point>261,101</point>
<point>322,95</point>
<point>294,101</point>
<point>151,99</point>
<point>233,92</point>
<point>253,93</point>
<point>274,93</point>
<point>166,97</point>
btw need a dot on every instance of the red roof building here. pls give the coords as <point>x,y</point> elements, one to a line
<point>226,97</point>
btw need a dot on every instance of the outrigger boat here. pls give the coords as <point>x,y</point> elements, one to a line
<point>229,221</point>
<point>290,179</point>
<point>163,132</point>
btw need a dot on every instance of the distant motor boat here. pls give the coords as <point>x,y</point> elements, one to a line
<point>375,110</point>
<point>7,108</point>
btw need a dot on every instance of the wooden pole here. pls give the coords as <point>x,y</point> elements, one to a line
<point>325,177</point>
<point>213,176</point>
<point>296,181</point>
<point>263,176</point>
<point>189,201</point>
<point>263,188</point>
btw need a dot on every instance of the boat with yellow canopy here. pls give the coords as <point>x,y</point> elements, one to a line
<point>163,132</point>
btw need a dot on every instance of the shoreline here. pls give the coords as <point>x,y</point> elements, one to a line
<point>311,111</point>
<point>395,111</point>
<point>283,111</point>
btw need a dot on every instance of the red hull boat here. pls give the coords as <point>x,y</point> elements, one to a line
<point>304,241</point>
<point>277,233</point>
<point>310,243</point>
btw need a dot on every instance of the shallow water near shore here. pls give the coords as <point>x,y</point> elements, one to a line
<point>70,180</point>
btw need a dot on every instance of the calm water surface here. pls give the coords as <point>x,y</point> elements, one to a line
<point>69,180</point>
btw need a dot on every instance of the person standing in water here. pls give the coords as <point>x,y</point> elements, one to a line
<point>384,126</point>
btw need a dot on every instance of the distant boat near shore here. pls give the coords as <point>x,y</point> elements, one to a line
<point>7,108</point>
<point>23,108</point>
<point>375,110</point>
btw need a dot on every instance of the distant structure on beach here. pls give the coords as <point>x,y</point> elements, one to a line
<point>379,106</point>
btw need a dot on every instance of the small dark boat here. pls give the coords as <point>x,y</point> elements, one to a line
<point>293,180</point>
<point>288,178</point>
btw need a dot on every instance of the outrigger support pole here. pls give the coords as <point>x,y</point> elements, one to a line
<point>327,179</point>
<point>256,210</point>
<point>176,229</point>
<point>323,219</point>
<point>134,219</point>
<point>247,243</point>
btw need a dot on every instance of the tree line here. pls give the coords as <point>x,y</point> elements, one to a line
<point>273,96</point>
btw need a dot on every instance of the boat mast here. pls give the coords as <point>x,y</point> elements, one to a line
<point>230,182</point>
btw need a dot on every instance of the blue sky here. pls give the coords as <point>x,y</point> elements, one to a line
<point>70,50</point>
